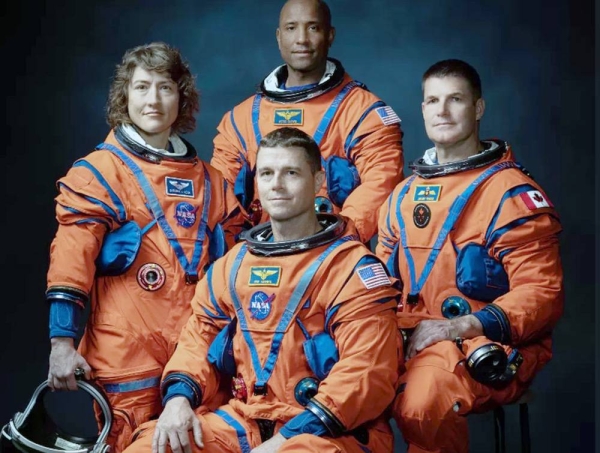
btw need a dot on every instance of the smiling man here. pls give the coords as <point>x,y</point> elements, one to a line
<point>301,318</point>
<point>474,240</point>
<point>358,134</point>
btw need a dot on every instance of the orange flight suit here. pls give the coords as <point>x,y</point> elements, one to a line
<point>359,314</point>
<point>135,318</point>
<point>510,216</point>
<point>362,131</point>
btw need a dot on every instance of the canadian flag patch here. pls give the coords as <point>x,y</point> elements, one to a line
<point>534,199</point>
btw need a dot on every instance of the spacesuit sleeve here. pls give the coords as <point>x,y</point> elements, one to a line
<point>526,243</point>
<point>189,363</point>
<point>233,221</point>
<point>87,206</point>
<point>376,150</point>
<point>228,145</point>
<point>362,320</point>
<point>387,233</point>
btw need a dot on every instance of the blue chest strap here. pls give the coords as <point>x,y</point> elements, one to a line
<point>263,373</point>
<point>455,211</point>
<point>190,267</point>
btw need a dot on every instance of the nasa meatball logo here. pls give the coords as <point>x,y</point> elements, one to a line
<point>421,215</point>
<point>185,214</point>
<point>260,305</point>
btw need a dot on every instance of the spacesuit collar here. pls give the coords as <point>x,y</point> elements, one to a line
<point>259,239</point>
<point>427,166</point>
<point>270,86</point>
<point>131,140</point>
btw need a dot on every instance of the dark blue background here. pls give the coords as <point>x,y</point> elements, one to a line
<point>536,62</point>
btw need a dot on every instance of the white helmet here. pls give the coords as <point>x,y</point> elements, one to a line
<point>35,431</point>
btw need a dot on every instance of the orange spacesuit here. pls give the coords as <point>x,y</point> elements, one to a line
<point>358,134</point>
<point>135,254</point>
<point>312,345</point>
<point>476,236</point>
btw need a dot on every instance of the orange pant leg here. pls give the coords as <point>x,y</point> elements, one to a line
<point>217,435</point>
<point>380,441</point>
<point>436,393</point>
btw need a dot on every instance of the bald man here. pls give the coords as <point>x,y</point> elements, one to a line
<point>358,134</point>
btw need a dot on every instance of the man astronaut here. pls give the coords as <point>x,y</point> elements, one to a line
<point>358,134</point>
<point>474,241</point>
<point>301,319</point>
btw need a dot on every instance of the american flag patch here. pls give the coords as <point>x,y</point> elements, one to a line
<point>387,115</point>
<point>373,275</point>
<point>534,199</point>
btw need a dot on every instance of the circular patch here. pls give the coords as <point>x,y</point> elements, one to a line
<point>421,215</point>
<point>322,204</point>
<point>185,214</point>
<point>238,388</point>
<point>151,276</point>
<point>255,212</point>
<point>455,306</point>
<point>260,305</point>
<point>305,390</point>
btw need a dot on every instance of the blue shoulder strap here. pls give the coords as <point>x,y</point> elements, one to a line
<point>190,267</point>
<point>454,213</point>
<point>329,114</point>
<point>239,430</point>
<point>264,373</point>
<point>256,117</point>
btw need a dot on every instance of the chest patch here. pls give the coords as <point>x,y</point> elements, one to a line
<point>185,214</point>
<point>176,187</point>
<point>421,215</point>
<point>260,305</point>
<point>288,117</point>
<point>427,193</point>
<point>265,276</point>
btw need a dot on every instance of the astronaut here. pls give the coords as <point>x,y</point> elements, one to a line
<point>358,134</point>
<point>139,219</point>
<point>473,239</point>
<point>300,319</point>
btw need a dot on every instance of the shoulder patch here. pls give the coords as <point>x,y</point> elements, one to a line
<point>373,276</point>
<point>387,115</point>
<point>534,199</point>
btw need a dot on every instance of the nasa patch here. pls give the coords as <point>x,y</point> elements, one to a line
<point>185,214</point>
<point>176,187</point>
<point>260,305</point>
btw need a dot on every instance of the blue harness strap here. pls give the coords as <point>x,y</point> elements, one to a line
<point>332,109</point>
<point>256,118</point>
<point>132,386</point>
<point>190,267</point>
<point>454,213</point>
<point>264,373</point>
<point>239,429</point>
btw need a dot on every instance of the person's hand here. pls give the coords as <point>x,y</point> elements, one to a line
<point>173,427</point>
<point>64,360</point>
<point>270,446</point>
<point>429,332</point>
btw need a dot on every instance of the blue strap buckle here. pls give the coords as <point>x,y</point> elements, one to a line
<point>260,389</point>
